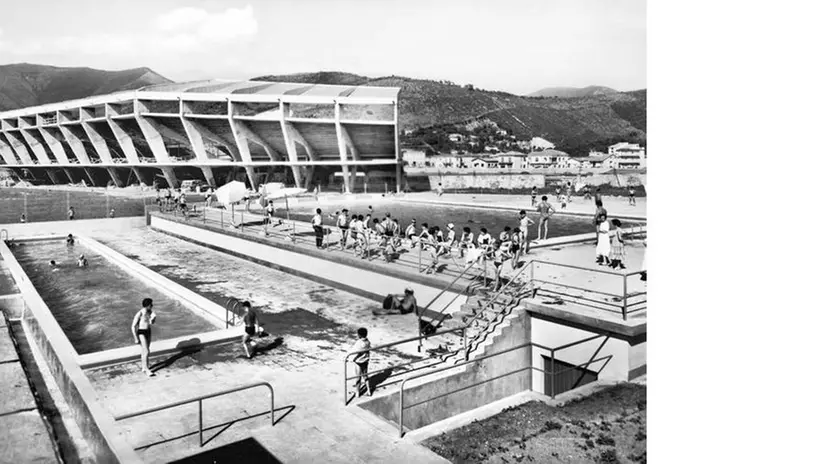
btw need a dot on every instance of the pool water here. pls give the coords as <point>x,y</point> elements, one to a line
<point>52,205</point>
<point>95,305</point>
<point>436,215</point>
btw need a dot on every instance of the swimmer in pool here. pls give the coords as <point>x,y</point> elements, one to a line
<point>81,261</point>
<point>53,264</point>
<point>70,240</point>
<point>142,331</point>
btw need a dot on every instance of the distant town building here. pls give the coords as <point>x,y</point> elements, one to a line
<point>484,163</point>
<point>511,160</point>
<point>456,138</point>
<point>414,157</point>
<point>628,155</point>
<point>548,159</point>
<point>626,147</point>
<point>538,143</point>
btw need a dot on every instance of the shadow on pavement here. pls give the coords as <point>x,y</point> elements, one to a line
<point>247,450</point>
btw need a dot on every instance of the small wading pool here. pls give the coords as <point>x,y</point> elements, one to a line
<point>95,305</point>
<point>437,215</point>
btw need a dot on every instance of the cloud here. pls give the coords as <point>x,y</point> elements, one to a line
<point>183,30</point>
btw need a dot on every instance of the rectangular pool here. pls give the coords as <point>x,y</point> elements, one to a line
<point>95,305</point>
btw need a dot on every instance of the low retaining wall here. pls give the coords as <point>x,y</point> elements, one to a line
<point>487,181</point>
<point>375,282</point>
<point>477,383</point>
<point>107,444</point>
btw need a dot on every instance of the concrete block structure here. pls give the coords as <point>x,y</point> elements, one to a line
<point>214,131</point>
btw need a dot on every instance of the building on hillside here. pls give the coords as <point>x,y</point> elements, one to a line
<point>456,137</point>
<point>502,132</point>
<point>547,159</point>
<point>626,147</point>
<point>538,143</point>
<point>213,130</point>
<point>414,157</point>
<point>511,160</point>
<point>491,149</point>
<point>628,155</point>
<point>484,163</point>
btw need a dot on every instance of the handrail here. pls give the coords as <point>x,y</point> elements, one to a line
<point>200,399</point>
<point>488,356</point>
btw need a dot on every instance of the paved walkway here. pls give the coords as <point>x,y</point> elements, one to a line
<point>25,437</point>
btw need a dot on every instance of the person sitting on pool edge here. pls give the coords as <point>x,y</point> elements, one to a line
<point>404,304</point>
<point>81,261</point>
<point>251,327</point>
<point>142,331</point>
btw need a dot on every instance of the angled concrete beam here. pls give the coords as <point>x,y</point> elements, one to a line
<point>127,146</point>
<point>208,176</point>
<point>251,135</point>
<point>140,176</point>
<point>52,176</point>
<point>169,174</point>
<point>115,177</point>
<point>19,148</point>
<point>98,142</point>
<point>289,142</point>
<point>152,135</point>
<point>76,145</point>
<point>7,153</point>
<point>342,152</point>
<point>242,144</point>
<point>91,178</point>
<point>205,133</point>
<point>54,145</point>
<point>37,148</point>
<point>70,175</point>
<point>348,142</point>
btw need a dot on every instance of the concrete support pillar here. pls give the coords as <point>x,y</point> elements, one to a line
<point>290,135</point>
<point>55,146</point>
<point>347,178</point>
<point>114,175</point>
<point>169,174</point>
<point>19,147</point>
<point>197,132</point>
<point>89,176</point>
<point>152,134</point>
<point>141,177</point>
<point>208,176</point>
<point>399,160</point>
<point>70,175</point>
<point>52,176</point>
<point>398,176</point>
<point>76,145</point>
<point>37,148</point>
<point>7,153</point>
<point>98,142</point>
<point>125,142</point>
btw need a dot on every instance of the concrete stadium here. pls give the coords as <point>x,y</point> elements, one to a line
<point>214,131</point>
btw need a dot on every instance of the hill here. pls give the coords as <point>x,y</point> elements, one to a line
<point>574,124</point>
<point>26,84</point>
<point>572,92</point>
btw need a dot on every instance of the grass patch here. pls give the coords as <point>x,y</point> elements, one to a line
<point>606,427</point>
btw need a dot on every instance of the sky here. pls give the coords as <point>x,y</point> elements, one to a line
<point>518,46</point>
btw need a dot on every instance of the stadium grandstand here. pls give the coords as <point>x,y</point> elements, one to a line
<point>214,131</point>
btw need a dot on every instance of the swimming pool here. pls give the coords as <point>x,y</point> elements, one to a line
<point>95,305</point>
<point>52,205</point>
<point>437,215</point>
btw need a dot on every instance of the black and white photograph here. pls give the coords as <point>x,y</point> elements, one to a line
<point>396,231</point>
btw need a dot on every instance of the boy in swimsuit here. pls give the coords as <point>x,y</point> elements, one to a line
<point>82,262</point>
<point>251,327</point>
<point>71,213</point>
<point>142,331</point>
<point>466,241</point>
<point>545,212</point>
<point>533,196</point>
<point>341,222</point>
<point>524,224</point>
<point>631,199</point>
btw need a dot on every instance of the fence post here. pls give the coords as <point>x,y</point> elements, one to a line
<point>624,297</point>
<point>26,206</point>
<point>200,423</point>
<point>464,343</point>
<point>345,380</point>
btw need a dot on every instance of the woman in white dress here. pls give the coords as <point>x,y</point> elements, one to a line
<point>603,240</point>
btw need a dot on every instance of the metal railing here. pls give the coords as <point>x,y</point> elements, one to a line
<point>231,308</point>
<point>552,372</point>
<point>396,366</point>
<point>199,400</point>
<point>619,301</point>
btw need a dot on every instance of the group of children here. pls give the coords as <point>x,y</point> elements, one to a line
<point>173,199</point>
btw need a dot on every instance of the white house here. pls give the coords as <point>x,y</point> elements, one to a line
<point>627,148</point>
<point>547,159</point>
<point>484,163</point>
<point>628,155</point>
<point>456,137</point>
<point>414,158</point>
<point>512,160</point>
<point>538,143</point>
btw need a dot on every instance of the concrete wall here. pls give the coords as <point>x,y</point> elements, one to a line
<point>490,181</point>
<point>370,284</point>
<point>472,394</point>
<point>106,442</point>
<point>552,335</point>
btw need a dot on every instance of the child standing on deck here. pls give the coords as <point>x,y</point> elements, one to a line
<point>617,245</point>
<point>362,360</point>
<point>603,241</point>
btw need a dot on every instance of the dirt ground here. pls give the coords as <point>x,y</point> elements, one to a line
<point>606,427</point>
